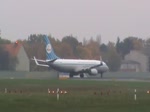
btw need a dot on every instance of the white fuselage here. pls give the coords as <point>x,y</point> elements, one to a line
<point>71,66</point>
<point>75,65</point>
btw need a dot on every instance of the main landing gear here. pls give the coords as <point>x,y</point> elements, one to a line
<point>71,75</point>
<point>81,75</point>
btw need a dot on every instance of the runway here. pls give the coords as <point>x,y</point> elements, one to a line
<point>120,76</point>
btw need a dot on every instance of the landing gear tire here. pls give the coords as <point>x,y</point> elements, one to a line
<point>71,75</point>
<point>82,75</point>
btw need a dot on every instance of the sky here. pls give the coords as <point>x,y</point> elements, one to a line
<point>80,18</point>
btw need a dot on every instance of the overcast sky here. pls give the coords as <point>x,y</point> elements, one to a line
<point>81,18</point>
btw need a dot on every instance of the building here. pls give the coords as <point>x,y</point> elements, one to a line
<point>135,61</point>
<point>130,66</point>
<point>17,50</point>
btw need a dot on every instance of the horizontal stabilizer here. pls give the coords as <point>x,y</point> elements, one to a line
<point>36,61</point>
<point>50,61</point>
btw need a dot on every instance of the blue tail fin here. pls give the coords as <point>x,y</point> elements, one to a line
<point>50,55</point>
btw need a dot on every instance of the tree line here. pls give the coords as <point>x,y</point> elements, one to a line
<point>69,47</point>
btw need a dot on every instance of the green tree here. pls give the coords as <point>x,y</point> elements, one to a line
<point>110,56</point>
<point>114,59</point>
<point>66,51</point>
<point>131,43</point>
<point>35,46</point>
<point>4,41</point>
<point>83,52</point>
<point>73,42</point>
<point>103,48</point>
<point>138,44</point>
<point>4,59</point>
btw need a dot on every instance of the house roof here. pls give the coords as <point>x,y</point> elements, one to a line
<point>13,48</point>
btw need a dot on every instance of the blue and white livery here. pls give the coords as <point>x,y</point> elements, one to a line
<point>71,66</point>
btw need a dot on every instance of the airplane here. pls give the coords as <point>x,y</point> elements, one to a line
<point>71,66</point>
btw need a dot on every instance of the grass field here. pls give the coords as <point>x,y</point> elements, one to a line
<point>29,95</point>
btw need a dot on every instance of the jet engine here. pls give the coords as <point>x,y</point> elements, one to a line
<point>93,72</point>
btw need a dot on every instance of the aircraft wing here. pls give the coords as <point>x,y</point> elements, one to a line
<point>101,64</point>
<point>86,69</point>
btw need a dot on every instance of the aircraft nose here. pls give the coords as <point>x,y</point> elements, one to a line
<point>105,67</point>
